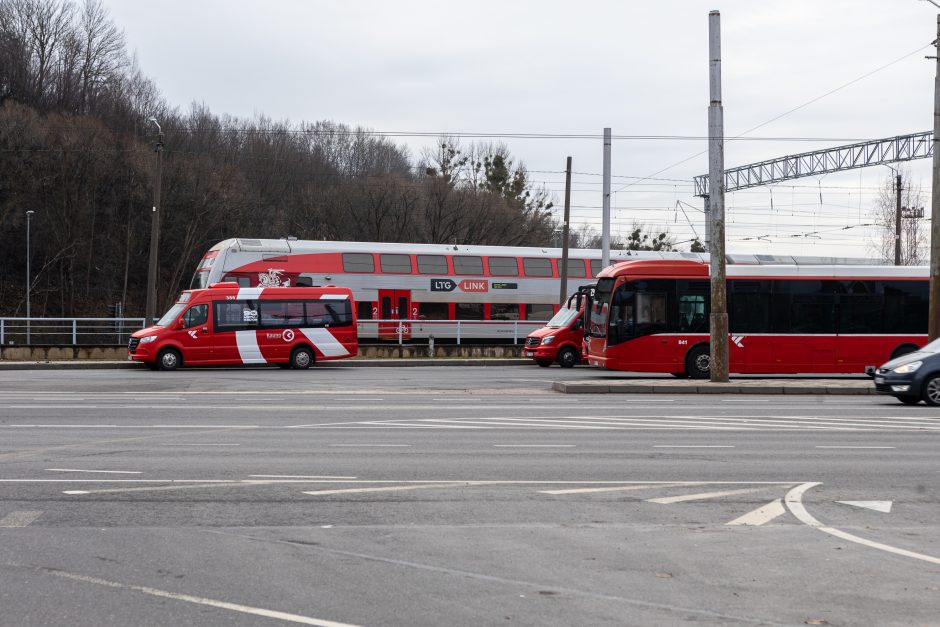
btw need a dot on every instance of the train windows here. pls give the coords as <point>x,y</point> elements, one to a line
<point>364,310</point>
<point>575,268</point>
<point>432,264</point>
<point>504,266</point>
<point>596,267</point>
<point>398,264</point>
<point>500,311</point>
<point>537,267</point>
<point>469,311</point>
<point>539,311</point>
<point>433,311</point>
<point>358,262</point>
<point>468,265</point>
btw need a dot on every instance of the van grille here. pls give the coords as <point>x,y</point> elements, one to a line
<point>532,341</point>
<point>132,344</point>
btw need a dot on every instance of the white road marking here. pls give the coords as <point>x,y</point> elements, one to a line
<point>617,488</point>
<point>65,426</point>
<point>225,605</point>
<point>74,492</point>
<point>668,500</point>
<point>19,519</point>
<point>534,446</point>
<point>396,488</point>
<point>794,501</point>
<point>371,445</point>
<point>857,447</point>
<point>299,477</point>
<point>879,506</point>
<point>108,472</point>
<point>207,444</point>
<point>761,515</point>
<point>693,446</point>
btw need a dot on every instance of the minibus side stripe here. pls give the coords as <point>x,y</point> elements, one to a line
<point>249,293</point>
<point>324,341</point>
<point>248,348</point>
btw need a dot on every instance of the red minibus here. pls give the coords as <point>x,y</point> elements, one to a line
<point>653,316</point>
<point>562,337</point>
<point>227,324</point>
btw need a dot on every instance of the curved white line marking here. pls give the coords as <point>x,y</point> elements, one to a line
<point>795,504</point>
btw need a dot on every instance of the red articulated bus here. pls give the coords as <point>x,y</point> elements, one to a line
<point>227,324</point>
<point>653,316</point>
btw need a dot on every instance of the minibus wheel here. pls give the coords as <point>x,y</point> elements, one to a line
<point>698,362</point>
<point>301,358</point>
<point>567,357</point>
<point>543,363</point>
<point>169,359</point>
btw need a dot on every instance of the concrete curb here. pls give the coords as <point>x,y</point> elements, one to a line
<point>354,363</point>
<point>830,387</point>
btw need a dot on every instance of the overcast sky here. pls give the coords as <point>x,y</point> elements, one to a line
<point>575,68</point>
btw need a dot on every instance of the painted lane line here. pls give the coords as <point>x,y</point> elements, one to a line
<point>879,506</point>
<point>74,492</point>
<point>18,519</point>
<point>616,488</point>
<point>533,446</point>
<point>858,447</point>
<point>175,596</point>
<point>761,515</point>
<point>299,477</point>
<point>66,426</point>
<point>693,446</point>
<point>207,444</point>
<point>794,502</point>
<point>398,488</point>
<point>371,445</point>
<point>107,472</point>
<point>701,496</point>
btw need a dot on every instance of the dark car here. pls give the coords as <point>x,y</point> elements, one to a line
<point>913,377</point>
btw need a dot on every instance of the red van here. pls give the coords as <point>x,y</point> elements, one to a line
<point>292,327</point>
<point>560,340</point>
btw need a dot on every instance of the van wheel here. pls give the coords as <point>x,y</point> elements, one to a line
<point>908,400</point>
<point>543,363</point>
<point>698,362</point>
<point>169,359</point>
<point>301,358</point>
<point>567,357</point>
<point>931,392</point>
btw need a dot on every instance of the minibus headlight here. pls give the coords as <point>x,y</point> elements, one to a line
<point>908,368</point>
<point>147,339</point>
<point>548,339</point>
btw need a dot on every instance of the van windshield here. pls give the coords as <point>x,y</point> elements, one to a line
<point>171,315</point>
<point>563,318</point>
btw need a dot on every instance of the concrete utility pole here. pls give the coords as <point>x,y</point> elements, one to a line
<point>716,202</point>
<point>563,270</point>
<point>154,230</point>
<point>29,214</point>
<point>605,227</point>
<point>933,326</point>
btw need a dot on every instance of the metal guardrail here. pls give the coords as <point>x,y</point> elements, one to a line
<point>117,331</point>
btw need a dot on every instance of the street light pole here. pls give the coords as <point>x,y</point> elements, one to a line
<point>154,230</point>
<point>29,214</point>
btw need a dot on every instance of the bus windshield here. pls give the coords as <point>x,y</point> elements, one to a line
<point>563,318</point>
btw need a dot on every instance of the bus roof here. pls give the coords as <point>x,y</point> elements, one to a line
<point>691,269</point>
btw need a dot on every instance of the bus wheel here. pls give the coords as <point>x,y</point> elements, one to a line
<point>301,358</point>
<point>567,357</point>
<point>932,390</point>
<point>168,359</point>
<point>698,362</point>
<point>903,349</point>
<point>543,363</point>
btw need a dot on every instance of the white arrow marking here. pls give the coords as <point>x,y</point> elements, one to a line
<point>878,506</point>
<point>761,515</point>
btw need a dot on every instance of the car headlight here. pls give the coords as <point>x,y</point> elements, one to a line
<point>149,338</point>
<point>909,368</point>
<point>548,339</point>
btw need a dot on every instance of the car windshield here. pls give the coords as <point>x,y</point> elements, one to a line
<point>171,315</point>
<point>563,318</point>
<point>933,347</point>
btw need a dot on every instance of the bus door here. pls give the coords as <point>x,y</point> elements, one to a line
<point>395,305</point>
<point>194,334</point>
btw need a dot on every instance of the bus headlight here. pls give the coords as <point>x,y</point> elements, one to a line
<point>908,368</point>
<point>548,339</point>
<point>149,338</point>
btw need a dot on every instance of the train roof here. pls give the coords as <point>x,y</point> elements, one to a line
<point>292,246</point>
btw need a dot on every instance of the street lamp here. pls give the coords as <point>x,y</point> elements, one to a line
<point>29,214</point>
<point>154,230</point>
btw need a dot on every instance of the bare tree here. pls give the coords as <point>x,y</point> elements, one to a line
<point>915,230</point>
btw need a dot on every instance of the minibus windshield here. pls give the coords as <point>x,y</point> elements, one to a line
<point>171,315</point>
<point>563,318</point>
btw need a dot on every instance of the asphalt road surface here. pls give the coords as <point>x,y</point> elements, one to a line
<point>456,496</point>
